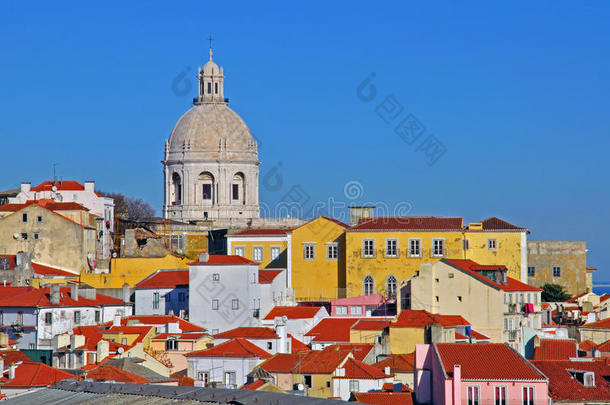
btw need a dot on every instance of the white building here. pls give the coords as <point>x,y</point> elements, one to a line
<point>164,292</point>
<point>226,292</point>
<point>85,195</point>
<point>356,376</point>
<point>298,320</point>
<point>271,341</point>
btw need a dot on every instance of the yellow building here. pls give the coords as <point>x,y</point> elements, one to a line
<point>130,335</point>
<point>269,247</point>
<point>66,242</point>
<point>132,270</point>
<point>316,265</point>
<point>494,241</point>
<point>382,252</point>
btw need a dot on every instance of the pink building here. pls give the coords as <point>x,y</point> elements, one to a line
<point>462,373</point>
<point>356,306</point>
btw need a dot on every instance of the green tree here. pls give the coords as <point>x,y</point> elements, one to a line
<point>554,293</point>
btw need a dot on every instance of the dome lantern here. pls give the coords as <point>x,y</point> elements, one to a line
<point>211,83</point>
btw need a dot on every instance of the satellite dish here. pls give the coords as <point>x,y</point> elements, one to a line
<point>120,350</point>
<point>301,387</point>
<point>54,189</point>
<point>15,235</point>
<point>284,318</point>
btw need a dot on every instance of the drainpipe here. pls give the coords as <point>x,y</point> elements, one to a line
<point>457,384</point>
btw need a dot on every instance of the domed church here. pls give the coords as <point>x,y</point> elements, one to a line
<point>211,161</point>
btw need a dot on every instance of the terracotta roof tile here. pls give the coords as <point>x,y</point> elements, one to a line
<point>40,298</point>
<point>420,318</point>
<point>107,372</point>
<point>248,332</point>
<point>253,386</point>
<point>494,223</point>
<point>332,330</point>
<point>603,324</point>
<point>267,276</point>
<point>604,347</point>
<point>358,350</point>
<point>304,312</point>
<point>587,345</point>
<point>42,270</point>
<point>297,346</point>
<point>63,185</point>
<point>165,279</point>
<point>262,232</point>
<point>563,387</point>
<point>371,324</point>
<point>233,348</point>
<point>32,374</point>
<point>160,320</point>
<point>384,398</point>
<point>283,362</point>
<point>355,369</point>
<point>490,361</point>
<point>224,260</point>
<point>13,356</point>
<point>180,336</point>
<point>322,362</point>
<point>555,349</point>
<point>398,363</point>
<point>471,268</point>
<point>409,224</point>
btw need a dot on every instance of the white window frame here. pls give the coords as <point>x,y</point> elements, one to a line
<point>275,253</point>
<point>239,251</point>
<point>355,309</point>
<point>255,256</point>
<point>309,251</point>
<point>235,304</point>
<point>531,397</point>
<point>156,300</point>
<point>417,242</point>
<point>215,305</point>
<point>354,386</point>
<point>442,245</point>
<point>470,390</point>
<point>364,289</point>
<point>341,309</point>
<point>391,251</point>
<point>205,380</point>
<point>503,393</point>
<point>387,285</point>
<point>368,252</point>
<point>492,244</point>
<point>215,276</point>
<point>332,251</point>
<point>558,269</point>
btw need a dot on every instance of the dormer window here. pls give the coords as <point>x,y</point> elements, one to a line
<point>586,378</point>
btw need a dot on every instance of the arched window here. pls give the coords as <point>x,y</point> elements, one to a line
<point>238,188</point>
<point>390,289</point>
<point>207,187</point>
<point>176,190</point>
<point>368,285</point>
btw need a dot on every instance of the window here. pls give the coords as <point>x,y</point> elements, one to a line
<point>355,310</point>
<point>204,376</point>
<point>48,318</point>
<point>230,378</point>
<point>97,316</point>
<point>257,254</point>
<point>234,304</point>
<point>215,305</point>
<point>155,302</point>
<point>24,236</point>
<point>76,317</point>
<point>239,251</point>
<point>307,380</point>
<point>39,218</point>
<point>535,298</point>
<point>528,395</point>
<point>209,88</point>
<point>32,346</point>
<point>368,248</point>
<point>391,287</point>
<point>181,296</point>
<point>269,345</point>
<point>459,298</point>
<point>332,251</point>
<point>472,396</point>
<point>466,244</point>
<point>500,396</point>
<point>24,217</point>
<point>275,253</point>
<point>36,236</point>
<point>207,191</point>
<point>1,318</point>
<point>354,386</point>
<point>505,324</point>
<point>171,344</point>
<point>414,247</point>
<point>341,310</point>
<point>235,191</point>
<point>368,285</point>
<point>556,271</point>
<point>216,88</point>
<point>438,247</point>
<point>391,248</point>
<point>492,244</point>
<point>215,276</point>
<point>309,251</point>
<point>214,332</point>
<point>531,271</point>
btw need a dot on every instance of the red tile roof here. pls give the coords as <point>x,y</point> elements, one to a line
<point>48,204</point>
<point>332,330</point>
<point>106,372</point>
<point>248,332</point>
<point>42,270</point>
<point>497,224</point>
<point>563,387</point>
<point>283,362</point>
<point>233,348</point>
<point>224,260</point>
<point>489,361</point>
<point>267,276</point>
<point>587,345</point>
<point>398,363</point>
<point>604,347</point>
<point>358,350</point>
<point>355,369</point>
<point>254,385</point>
<point>384,398</point>
<point>93,334</point>
<point>420,318</point>
<point>371,324</point>
<point>322,362</point>
<point>409,224</point>
<point>179,336</point>
<point>262,232</point>
<point>555,349</point>
<point>297,346</point>
<point>67,185</point>
<point>32,374</point>
<point>603,324</point>
<point>40,298</point>
<point>165,279</point>
<point>336,221</point>
<point>293,312</point>
<point>159,320</point>
<point>13,356</point>
<point>471,268</point>
<point>478,335</point>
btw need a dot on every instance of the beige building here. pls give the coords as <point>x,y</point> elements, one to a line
<point>60,235</point>
<point>560,262</point>
<point>496,305</point>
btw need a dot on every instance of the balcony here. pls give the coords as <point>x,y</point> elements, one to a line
<point>512,335</point>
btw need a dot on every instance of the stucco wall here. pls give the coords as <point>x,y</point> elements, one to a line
<point>570,256</point>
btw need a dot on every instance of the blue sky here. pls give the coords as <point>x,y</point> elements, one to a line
<point>517,94</point>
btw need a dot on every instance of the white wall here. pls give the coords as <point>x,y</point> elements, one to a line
<point>341,386</point>
<point>217,366</point>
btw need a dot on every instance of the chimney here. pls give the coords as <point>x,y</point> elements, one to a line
<point>25,187</point>
<point>54,294</point>
<point>126,293</point>
<point>117,320</point>
<point>3,339</point>
<point>74,291</point>
<point>1,366</point>
<point>282,333</point>
<point>11,371</point>
<point>387,370</point>
<point>61,341</point>
<point>90,186</point>
<point>77,341</point>
<point>204,257</point>
<point>340,372</point>
<point>457,384</point>
<point>103,350</point>
<point>358,213</point>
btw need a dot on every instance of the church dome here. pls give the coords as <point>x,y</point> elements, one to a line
<point>213,132</point>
